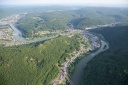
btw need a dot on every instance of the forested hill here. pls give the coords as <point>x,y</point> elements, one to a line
<point>80,19</point>
<point>90,16</point>
<point>48,21</point>
<point>110,67</point>
<point>36,64</point>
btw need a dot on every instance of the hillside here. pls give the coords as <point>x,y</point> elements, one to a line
<point>35,64</point>
<point>110,67</point>
<point>48,21</point>
<point>80,19</point>
<point>90,16</point>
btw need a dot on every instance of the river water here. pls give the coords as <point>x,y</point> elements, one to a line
<point>79,70</point>
<point>17,34</point>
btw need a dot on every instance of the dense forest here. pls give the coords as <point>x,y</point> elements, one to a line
<point>110,67</point>
<point>36,64</point>
<point>48,21</point>
<point>80,19</point>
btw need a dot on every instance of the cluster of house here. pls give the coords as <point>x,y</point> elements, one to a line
<point>6,33</point>
<point>94,41</point>
<point>99,26</point>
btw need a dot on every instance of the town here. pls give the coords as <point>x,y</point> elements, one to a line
<point>94,44</point>
<point>6,32</point>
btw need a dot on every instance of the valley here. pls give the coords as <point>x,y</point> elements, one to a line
<point>58,45</point>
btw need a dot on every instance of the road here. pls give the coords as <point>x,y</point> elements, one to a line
<point>79,70</point>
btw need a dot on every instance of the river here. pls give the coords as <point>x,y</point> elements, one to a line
<point>17,34</point>
<point>79,70</point>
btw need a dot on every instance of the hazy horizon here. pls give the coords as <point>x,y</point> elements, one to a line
<point>108,3</point>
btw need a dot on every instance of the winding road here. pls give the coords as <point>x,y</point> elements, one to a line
<point>79,70</point>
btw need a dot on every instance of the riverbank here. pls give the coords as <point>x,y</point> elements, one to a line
<point>17,38</point>
<point>63,67</point>
<point>79,70</point>
<point>74,64</point>
<point>109,67</point>
<point>94,43</point>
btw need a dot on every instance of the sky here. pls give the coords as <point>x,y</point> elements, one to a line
<point>65,2</point>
